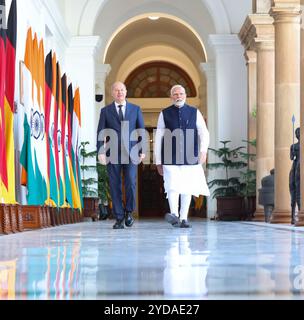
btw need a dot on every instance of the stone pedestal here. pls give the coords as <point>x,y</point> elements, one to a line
<point>13,218</point>
<point>32,217</point>
<point>20,226</point>
<point>5,219</point>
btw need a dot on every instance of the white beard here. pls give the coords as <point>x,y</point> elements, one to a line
<point>179,103</point>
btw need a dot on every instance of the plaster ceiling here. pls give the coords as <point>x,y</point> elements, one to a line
<point>146,32</point>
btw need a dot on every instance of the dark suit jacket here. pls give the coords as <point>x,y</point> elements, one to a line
<point>109,119</point>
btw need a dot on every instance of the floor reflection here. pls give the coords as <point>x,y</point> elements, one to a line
<point>152,260</point>
<point>186,271</point>
<point>7,279</point>
<point>49,273</point>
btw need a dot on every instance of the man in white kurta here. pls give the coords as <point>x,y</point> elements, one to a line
<point>183,178</point>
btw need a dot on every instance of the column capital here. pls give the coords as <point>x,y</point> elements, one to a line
<point>85,46</point>
<point>286,11</point>
<point>208,69</point>
<point>225,43</point>
<point>102,71</point>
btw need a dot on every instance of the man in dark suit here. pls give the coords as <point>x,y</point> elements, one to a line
<point>120,138</point>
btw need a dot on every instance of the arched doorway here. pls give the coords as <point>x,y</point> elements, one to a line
<point>162,54</point>
<point>155,79</point>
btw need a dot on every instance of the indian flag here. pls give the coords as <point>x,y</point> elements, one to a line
<point>33,160</point>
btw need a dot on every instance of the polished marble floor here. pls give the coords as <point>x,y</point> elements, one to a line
<point>152,260</point>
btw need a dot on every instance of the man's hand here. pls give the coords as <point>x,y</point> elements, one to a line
<point>160,169</point>
<point>142,157</point>
<point>202,157</point>
<point>102,159</point>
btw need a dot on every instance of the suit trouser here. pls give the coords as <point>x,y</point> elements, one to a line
<point>115,181</point>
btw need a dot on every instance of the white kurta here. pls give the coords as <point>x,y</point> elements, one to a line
<point>184,179</point>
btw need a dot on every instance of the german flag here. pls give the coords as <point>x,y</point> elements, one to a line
<point>3,163</point>
<point>65,142</point>
<point>9,196</point>
<point>52,129</point>
<point>72,155</point>
<point>48,101</point>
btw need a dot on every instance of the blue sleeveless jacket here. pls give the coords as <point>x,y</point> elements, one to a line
<point>180,142</point>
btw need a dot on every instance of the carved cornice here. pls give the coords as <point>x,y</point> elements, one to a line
<point>257,29</point>
<point>247,33</point>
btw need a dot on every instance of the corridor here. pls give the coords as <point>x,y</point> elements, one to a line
<point>213,260</point>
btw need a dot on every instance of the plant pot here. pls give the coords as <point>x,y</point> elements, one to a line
<point>231,208</point>
<point>250,206</point>
<point>90,208</point>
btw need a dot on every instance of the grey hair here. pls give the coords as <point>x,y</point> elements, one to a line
<point>177,86</point>
<point>117,82</point>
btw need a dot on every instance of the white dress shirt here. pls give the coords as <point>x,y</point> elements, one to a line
<point>184,179</point>
<point>123,109</point>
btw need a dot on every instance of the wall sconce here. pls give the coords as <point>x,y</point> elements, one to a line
<point>99,97</point>
<point>98,94</point>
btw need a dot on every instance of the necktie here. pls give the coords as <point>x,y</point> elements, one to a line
<point>120,114</point>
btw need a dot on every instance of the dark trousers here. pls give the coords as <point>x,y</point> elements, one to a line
<point>115,181</point>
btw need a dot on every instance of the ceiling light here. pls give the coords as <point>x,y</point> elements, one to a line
<point>154,18</point>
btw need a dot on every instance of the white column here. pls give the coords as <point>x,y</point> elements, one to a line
<point>101,73</point>
<point>231,87</point>
<point>80,58</point>
<point>80,61</point>
<point>209,70</point>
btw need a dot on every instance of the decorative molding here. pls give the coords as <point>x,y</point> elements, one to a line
<point>101,69</point>
<point>208,69</point>
<point>101,72</point>
<point>58,26</point>
<point>257,29</point>
<point>87,46</point>
<point>225,43</point>
<point>286,11</point>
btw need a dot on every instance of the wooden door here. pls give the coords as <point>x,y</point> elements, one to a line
<point>152,200</point>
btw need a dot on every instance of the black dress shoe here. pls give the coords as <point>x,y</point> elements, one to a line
<point>129,220</point>
<point>172,219</point>
<point>119,224</point>
<point>185,224</point>
<point>104,216</point>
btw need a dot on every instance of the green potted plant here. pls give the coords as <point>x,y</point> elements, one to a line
<point>230,201</point>
<point>89,184</point>
<point>248,177</point>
